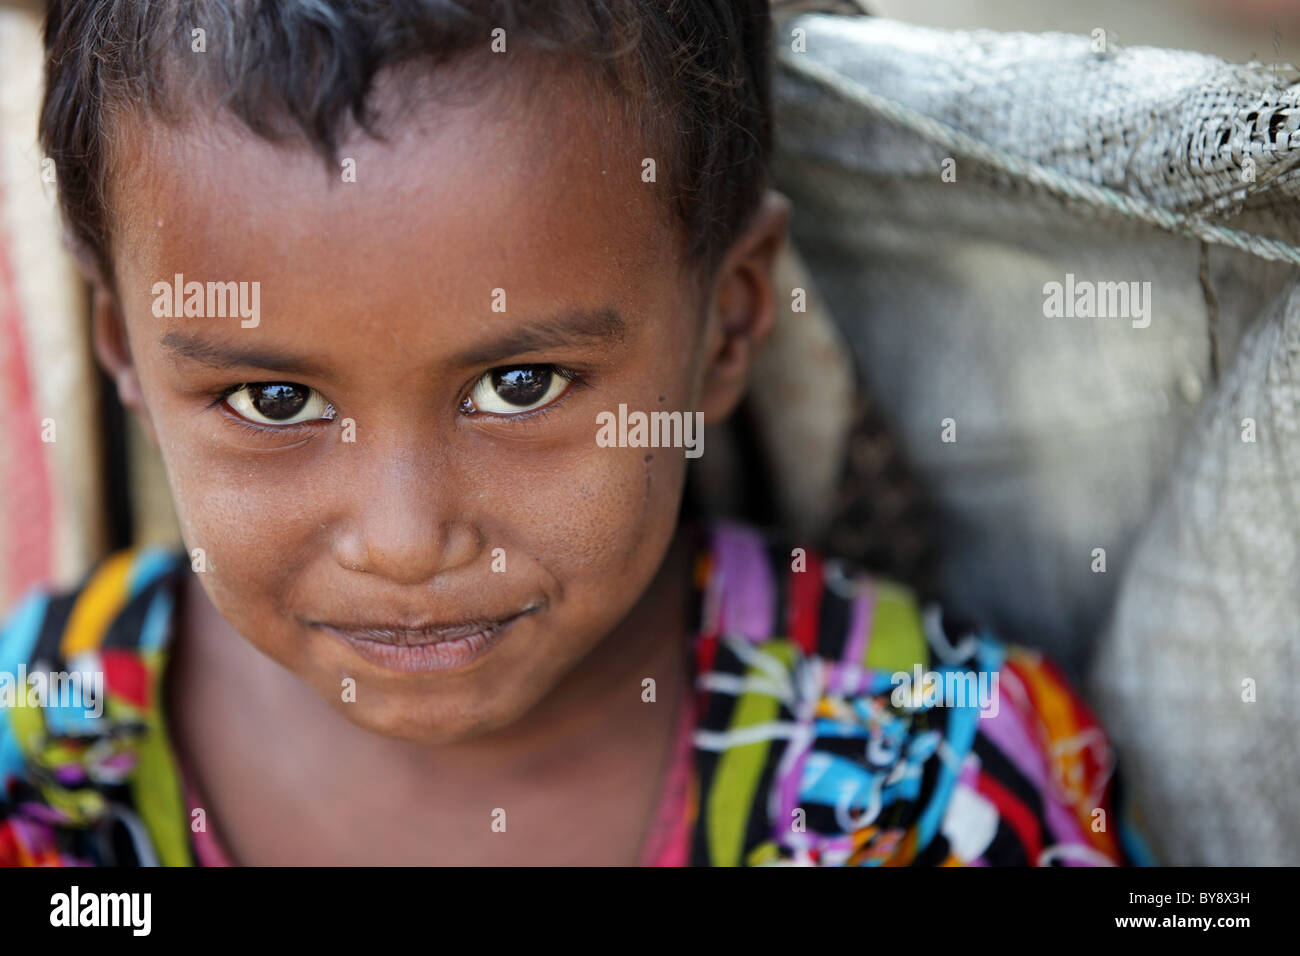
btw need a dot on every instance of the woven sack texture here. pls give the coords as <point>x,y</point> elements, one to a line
<point>1114,165</point>
<point>1197,673</point>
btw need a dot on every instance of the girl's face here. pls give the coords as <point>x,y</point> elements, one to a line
<point>400,447</point>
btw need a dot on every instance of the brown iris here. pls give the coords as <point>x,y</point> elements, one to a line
<point>278,400</point>
<point>523,385</point>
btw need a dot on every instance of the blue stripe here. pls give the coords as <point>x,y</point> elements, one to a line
<point>827,778</point>
<point>70,717</point>
<point>157,622</point>
<point>1132,840</point>
<point>17,642</point>
<point>961,737</point>
<point>149,565</point>
<point>877,682</point>
<point>825,727</point>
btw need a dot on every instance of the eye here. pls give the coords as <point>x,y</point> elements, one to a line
<point>521,388</point>
<point>279,403</point>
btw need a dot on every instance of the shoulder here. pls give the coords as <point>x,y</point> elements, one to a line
<point>868,727</point>
<point>116,607</point>
<point>77,672</point>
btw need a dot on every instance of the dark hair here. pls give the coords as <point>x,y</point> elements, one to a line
<point>698,71</point>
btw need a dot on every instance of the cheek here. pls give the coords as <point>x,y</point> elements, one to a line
<point>249,528</point>
<point>220,508</point>
<point>596,522</point>
<point>607,503</point>
<point>588,516</point>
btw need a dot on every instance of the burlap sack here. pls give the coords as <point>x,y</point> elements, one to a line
<point>1067,158</point>
<point>1197,675</point>
<point>1077,160</point>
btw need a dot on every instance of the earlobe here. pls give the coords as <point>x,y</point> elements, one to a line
<point>112,349</point>
<point>743,307</point>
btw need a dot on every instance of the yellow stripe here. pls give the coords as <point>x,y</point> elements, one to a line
<point>731,792</point>
<point>99,602</point>
<point>897,637</point>
<point>156,785</point>
<point>28,725</point>
<point>763,854</point>
<point>1052,704</point>
<point>905,852</point>
<point>1055,709</point>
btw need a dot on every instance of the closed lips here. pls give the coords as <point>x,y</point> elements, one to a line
<point>418,636</point>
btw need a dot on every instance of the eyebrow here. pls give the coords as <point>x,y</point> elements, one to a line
<point>223,355</point>
<point>604,325</point>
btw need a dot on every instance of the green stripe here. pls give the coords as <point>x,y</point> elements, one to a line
<point>731,796</point>
<point>897,636</point>
<point>155,785</point>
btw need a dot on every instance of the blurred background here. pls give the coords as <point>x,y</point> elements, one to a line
<point>1237,30</point>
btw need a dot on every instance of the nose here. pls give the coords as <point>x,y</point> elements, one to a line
<point>405,520</point>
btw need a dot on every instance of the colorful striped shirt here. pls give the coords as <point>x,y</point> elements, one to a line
<point>834,721</point>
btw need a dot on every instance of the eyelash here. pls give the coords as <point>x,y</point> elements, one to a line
<point>573,377</point>
<point>256,428</point>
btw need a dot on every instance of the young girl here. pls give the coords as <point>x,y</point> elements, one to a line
<point>372,277</point>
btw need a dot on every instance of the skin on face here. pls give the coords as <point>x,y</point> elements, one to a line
<point>377,295</point>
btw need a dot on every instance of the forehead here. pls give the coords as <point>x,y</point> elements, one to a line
<point>533,189</point>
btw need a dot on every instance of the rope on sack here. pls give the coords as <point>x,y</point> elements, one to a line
<point>1050,179</point>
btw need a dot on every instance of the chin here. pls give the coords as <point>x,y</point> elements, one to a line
<point>426,730</point>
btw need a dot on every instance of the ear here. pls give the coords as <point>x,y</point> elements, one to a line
<point>742,308</point>
<point>108,331</point>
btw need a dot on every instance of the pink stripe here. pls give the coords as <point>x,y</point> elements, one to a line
<point>790,789</point>
<point>207,848</point>
<point>1063,823</point>
<point>743,587</point>
<point>27,525</point>
<point>969,778</point>
<point>668,843</point>
<point>853,680</point>
<point>855,647</point>
<point>835,843</point>
<point>970,772</point>
<point>1008,733</point>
